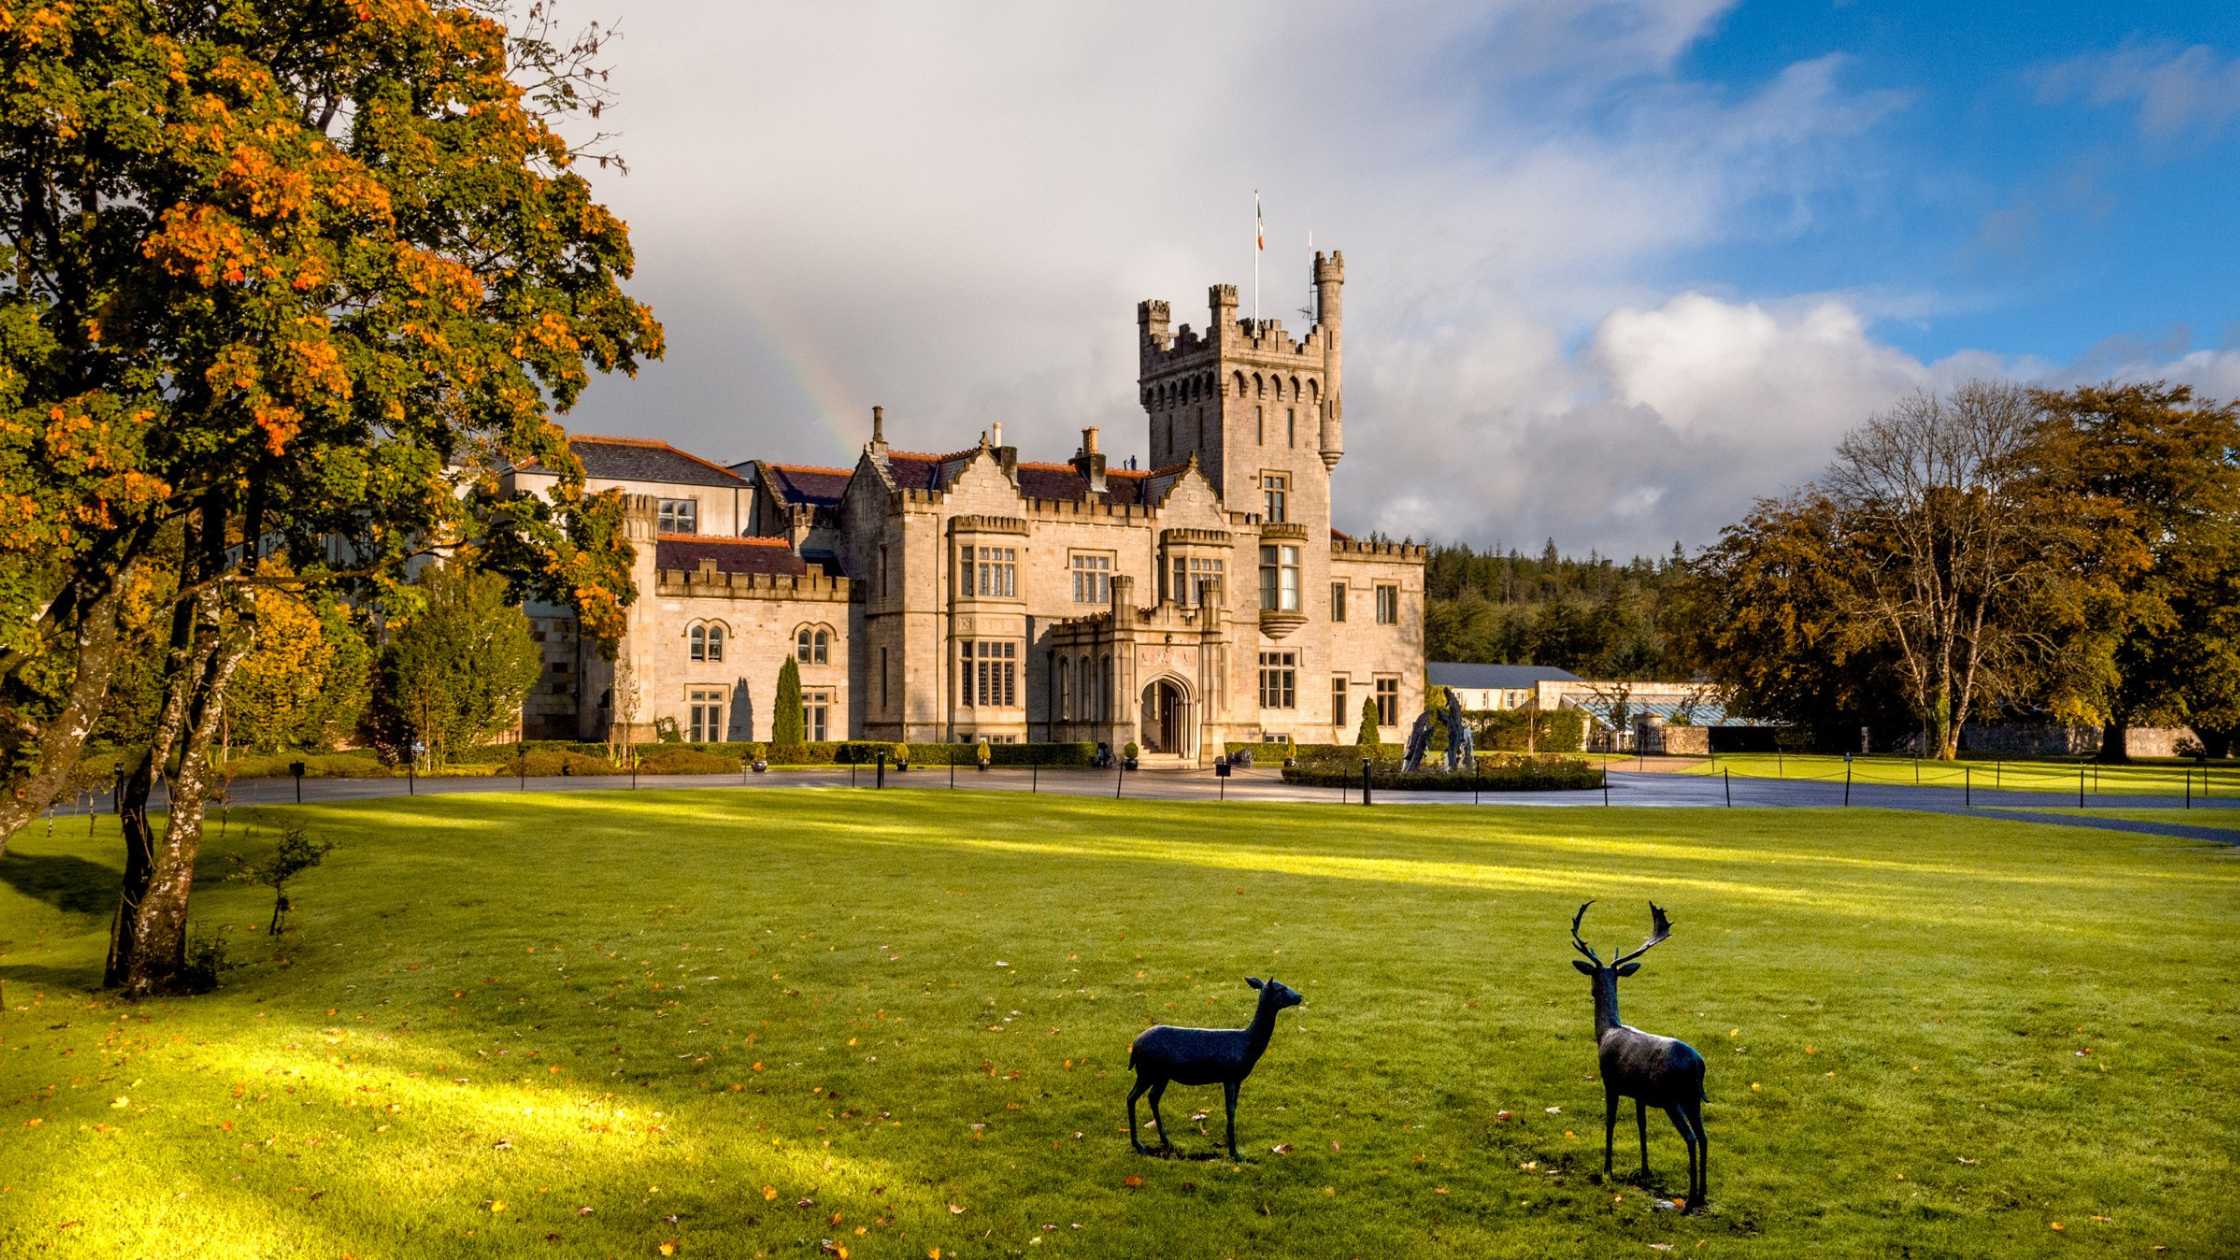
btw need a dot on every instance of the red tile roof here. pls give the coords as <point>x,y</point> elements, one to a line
<point>731,555</point>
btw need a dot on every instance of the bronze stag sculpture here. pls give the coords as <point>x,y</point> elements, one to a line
<point>1653,1071</point>
<point>1203,1056</point>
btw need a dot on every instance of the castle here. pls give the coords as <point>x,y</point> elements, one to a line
<point>1203,602</point>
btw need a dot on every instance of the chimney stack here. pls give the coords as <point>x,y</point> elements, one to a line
<point>996,434</point>
<point>1089,440</point>
<point>879,431</point>
<point>1089,462</point>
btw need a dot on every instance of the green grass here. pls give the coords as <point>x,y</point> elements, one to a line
<point>2157,777</point>
<point>745,1023</point>
<point>2218,819</point>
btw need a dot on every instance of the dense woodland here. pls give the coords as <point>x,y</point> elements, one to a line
<point>1594,616</point>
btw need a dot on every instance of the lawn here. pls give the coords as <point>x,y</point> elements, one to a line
<point>2167,778</point>
<point>741,1023</point>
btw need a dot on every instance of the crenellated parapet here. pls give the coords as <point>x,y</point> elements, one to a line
<point>988,525</point>
<point>709,582</point>
<point>1362,549</point>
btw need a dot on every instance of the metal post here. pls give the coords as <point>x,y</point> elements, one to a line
<point>1034,772</point>
<point>523,767</point>
<point>1780,769</point>
<point>1367,795</point>
<point>411,772</point>
<point>1847,780</point>
<point>633,772</point>
<point>1728,777</point>
<point>952,767</point>
<point>2189,787</point>
<point>1119,775</point>
<point>1998,774</point>
<point>2080,787</point>
<point>851,771</point>
<point>1606,786</point>
<point>1917,772</point>
<point>880,779</point>
<point>1968,787</point>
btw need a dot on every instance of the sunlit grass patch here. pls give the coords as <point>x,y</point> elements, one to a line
<point>743,1023</point>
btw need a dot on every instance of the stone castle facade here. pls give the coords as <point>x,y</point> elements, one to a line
<point>949,597</point>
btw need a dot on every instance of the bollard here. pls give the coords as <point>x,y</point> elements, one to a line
<point>880,779</point>
<point>1119,775</point>
<point>411,783</point>
<point>522,767</point>
<point>1967,787</point>
<point>1728,776</point>
<point>633,772</point>
<point>1606,787</point>
<point>2080,787</point>
<point>851,772</point>
<point>952,767</point>
<point>1780,770</point>
<point>1917,772</point>
<point>2189,787</point>
<point>1847,780</point>
<point>1367,796</point>
<point>1034,775</point>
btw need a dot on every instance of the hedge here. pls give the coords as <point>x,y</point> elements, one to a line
<point>1495,773</point>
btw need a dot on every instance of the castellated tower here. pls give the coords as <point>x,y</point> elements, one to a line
<point>1260,409</point>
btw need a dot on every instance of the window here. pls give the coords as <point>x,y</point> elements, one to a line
<point>882,569</point>
<point>705,709</point>
<point>697,637</point>
<point>1291,426</point>
<point>1260,425</point>
<point>988,572</point>
<point>1279,680</point>
<point>1061,691</point>
<point>884,699</point>
<point>816,711</point>
<point>1388,702</point>
<point>680,516</point>
<point>1279,578</point>
<point>1276,488</point>
<point>989,673</point>
<point>1092,579</point>
<point>1337,601</point>
<point>1340,713</point>
<point>812,645</point>
<point>1193,577</point>
<point>1388,605</point>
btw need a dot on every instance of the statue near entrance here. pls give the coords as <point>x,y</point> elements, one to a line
<point>1462,745</point>
<point>1419,742</point>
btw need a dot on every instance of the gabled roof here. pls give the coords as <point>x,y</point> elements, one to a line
<point>808,485</point>
<point>644,459</point>
<point>731,555</point>
<point>1497,677</point>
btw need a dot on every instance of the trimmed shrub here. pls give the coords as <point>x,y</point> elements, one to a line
<point>1495,773</point>
<point>559,761</point>
<point>668,759</point>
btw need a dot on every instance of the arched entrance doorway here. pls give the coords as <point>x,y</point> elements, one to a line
<point>1164,718</point>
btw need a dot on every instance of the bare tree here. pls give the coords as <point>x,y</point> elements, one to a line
<point>1936,492</point>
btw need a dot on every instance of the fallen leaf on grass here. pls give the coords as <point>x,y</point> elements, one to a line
<point>957,1209</point>
<point>1280,1148</point>
<point>769,1192</point>
<point>1131,1181</point>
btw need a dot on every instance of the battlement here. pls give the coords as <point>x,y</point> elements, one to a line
<point>708,581</point>
<point>1358,549</point>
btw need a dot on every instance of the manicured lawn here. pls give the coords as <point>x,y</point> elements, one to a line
<point>2158,777</point>
<point>2221,818</point>
<point>745,1023</point>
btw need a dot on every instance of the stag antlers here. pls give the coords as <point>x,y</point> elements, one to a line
<point>1660,928</point>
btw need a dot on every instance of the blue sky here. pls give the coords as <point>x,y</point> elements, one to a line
<point>1615,268</point>
<point>2028,218</point>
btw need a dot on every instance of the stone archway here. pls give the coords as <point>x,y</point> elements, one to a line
<point>1164,720</point>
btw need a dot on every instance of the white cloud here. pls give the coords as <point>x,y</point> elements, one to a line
<point>952,210</point>
<point>2177,90</point>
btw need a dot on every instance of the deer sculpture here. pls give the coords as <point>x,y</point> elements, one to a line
<point>1653,1071</point>
<point>1163,1055</point>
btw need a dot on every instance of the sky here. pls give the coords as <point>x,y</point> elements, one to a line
<point>1614,268</point>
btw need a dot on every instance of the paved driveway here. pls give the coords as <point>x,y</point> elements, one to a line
<point>1627,789</point>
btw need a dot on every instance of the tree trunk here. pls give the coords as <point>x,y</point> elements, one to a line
<point>61,741</point>
<point>2115,742</point>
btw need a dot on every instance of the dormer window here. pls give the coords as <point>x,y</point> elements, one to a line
<point>679,516</point>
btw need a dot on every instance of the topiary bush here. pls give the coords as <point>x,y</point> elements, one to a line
<point>1495,773</point>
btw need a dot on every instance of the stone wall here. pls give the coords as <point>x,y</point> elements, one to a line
<point>2019,739</point>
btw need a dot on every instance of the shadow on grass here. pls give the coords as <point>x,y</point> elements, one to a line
<point>65,881</point>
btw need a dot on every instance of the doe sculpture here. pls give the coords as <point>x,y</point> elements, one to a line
<point>1164,1054</point>
<point>1653,1071</point>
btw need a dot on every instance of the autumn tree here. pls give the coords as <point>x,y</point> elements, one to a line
<point>305,679</point>
<point>2153,593</point>
<point>457,667</point>
<point>1936,498</point>
<point>298,277</point>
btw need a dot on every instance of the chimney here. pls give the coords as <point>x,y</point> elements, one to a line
<point>1089,462</point>
<point>879,431</point>
<point>995,432</point>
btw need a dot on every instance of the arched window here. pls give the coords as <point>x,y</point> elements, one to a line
<point>812,645</point>
<point>1259,387</point>
<point>1058,680</point>
<point>1295,389</point>
<point>715,641</point>
<point>697,637</point>
<point>1104,689</point>
<point>1238,382</point>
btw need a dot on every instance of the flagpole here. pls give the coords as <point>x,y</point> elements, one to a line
<point>1256,230</point>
